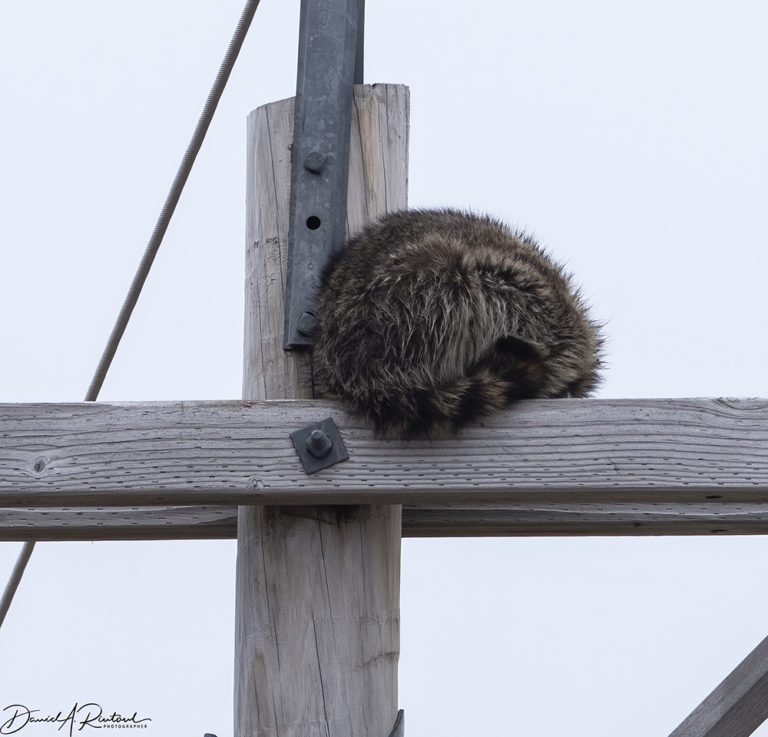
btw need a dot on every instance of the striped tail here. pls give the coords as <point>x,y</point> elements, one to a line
<point>511,370</point>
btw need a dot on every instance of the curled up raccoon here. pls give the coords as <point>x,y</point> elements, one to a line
<point>432,319</point>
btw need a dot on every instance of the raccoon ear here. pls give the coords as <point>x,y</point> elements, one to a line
<point>521,349</point>
<point>522,362</point>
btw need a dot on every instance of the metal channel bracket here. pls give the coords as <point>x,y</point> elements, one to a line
<point>330,62</point>
<point>399,729</point>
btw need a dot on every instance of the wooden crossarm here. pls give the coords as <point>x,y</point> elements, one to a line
<point>513,520</point>
<point>538,452</point>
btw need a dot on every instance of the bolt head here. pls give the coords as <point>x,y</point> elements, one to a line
<point>314,161</point>
<point>307,324</point>
<point>319,444</point>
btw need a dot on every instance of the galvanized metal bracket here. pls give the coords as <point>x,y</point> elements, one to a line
<point>399,729</point>
<point>319,446</point>
<point>330,62</point>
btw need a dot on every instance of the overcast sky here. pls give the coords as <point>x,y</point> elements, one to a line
<point>630,137</point>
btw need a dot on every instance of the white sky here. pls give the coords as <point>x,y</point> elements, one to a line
<point>630,137</point>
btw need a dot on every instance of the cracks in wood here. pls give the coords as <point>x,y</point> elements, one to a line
<point>320,675</point>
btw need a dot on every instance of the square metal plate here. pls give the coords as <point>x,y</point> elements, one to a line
<point>319,446</point>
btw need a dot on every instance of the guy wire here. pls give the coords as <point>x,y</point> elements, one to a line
<point>150,252</point>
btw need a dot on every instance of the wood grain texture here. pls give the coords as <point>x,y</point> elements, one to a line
<point>378,161</point>
<point>317,591</point>
<point>539,451</point>
<point>738,706</point>
<point>557,520</point>
<point>269,372</point>
<point>118,523</point>
<point>220,522</point>
<point>378,183</point>
<point>317,630</point>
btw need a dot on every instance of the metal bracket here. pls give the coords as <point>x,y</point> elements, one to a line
<point>399,729</point>
<point>319,446</point>
<point>330,62</point>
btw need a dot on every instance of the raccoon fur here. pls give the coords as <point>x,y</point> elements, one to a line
<point>432,319</point>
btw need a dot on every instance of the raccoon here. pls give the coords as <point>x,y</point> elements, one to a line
<point>432,319</point>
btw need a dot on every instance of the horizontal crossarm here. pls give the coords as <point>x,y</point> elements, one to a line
<point>513,520</point>
<point>540,451</point>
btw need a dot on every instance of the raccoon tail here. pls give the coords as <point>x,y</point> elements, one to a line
<point>512,369</point>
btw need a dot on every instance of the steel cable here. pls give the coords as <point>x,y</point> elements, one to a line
<point>15,579</point>
<point>150,252</point>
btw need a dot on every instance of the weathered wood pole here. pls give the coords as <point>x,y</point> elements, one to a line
<point>317,591</point>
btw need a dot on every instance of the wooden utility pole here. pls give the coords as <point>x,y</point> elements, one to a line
<point>317,609</point>
<point>317,603</point>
